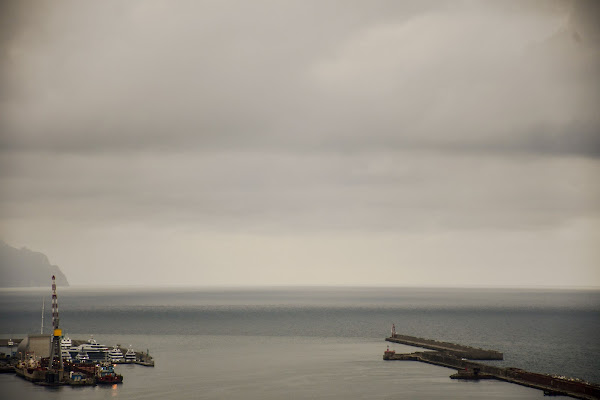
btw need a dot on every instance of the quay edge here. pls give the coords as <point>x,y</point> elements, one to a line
<point>445,356</point>
<point>468,352</point>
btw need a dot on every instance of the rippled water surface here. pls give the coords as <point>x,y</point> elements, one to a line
<point>312,342</point>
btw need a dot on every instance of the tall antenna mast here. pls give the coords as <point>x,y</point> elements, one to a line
<point>55,351</point>
<point>54,304</point>
<point>43,304</point>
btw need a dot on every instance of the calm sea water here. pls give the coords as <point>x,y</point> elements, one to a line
<point>306,343</point>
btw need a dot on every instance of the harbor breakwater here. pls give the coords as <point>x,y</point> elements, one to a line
<point>460,357</point>
<point>458,350</point>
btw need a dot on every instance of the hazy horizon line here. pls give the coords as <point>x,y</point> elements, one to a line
<point>302,286</point>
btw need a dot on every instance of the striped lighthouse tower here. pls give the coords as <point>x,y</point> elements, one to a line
<point>55,350</point>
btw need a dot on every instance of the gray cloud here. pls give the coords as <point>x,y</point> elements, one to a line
<point>296,124</point>
<point>281,192</point>
<point>149,75</point>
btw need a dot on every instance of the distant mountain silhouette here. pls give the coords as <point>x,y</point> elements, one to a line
<point>26,268</point>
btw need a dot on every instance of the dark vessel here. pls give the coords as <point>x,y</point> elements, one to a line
<point>105,374</point>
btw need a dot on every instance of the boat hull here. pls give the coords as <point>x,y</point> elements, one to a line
<point>109,380</point>
<point>31,374</point>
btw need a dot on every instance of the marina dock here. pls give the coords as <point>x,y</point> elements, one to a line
<point>460,357</point>
<point>55,359</point>
<point>36,369</point>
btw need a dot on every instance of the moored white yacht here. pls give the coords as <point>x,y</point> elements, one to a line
<point>116,355</point>
<point>66,356</point>
<point>130,355</point>
<point>66,343</point>
<point>82,356</point>
<point>92,345</point>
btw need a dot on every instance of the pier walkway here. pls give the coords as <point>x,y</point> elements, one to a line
<point>459,357</point>
<point>471,353</point>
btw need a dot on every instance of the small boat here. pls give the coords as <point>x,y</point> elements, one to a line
<point>105,374</point>
<point>31,370</point>
<point>78,378</point>
<point>130,355</point>
<point>116,355</point>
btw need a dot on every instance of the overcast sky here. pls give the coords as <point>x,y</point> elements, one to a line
<point>452,143</point>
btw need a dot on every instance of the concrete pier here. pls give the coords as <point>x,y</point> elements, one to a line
<point>471,353</point>
<point>459,357</point>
